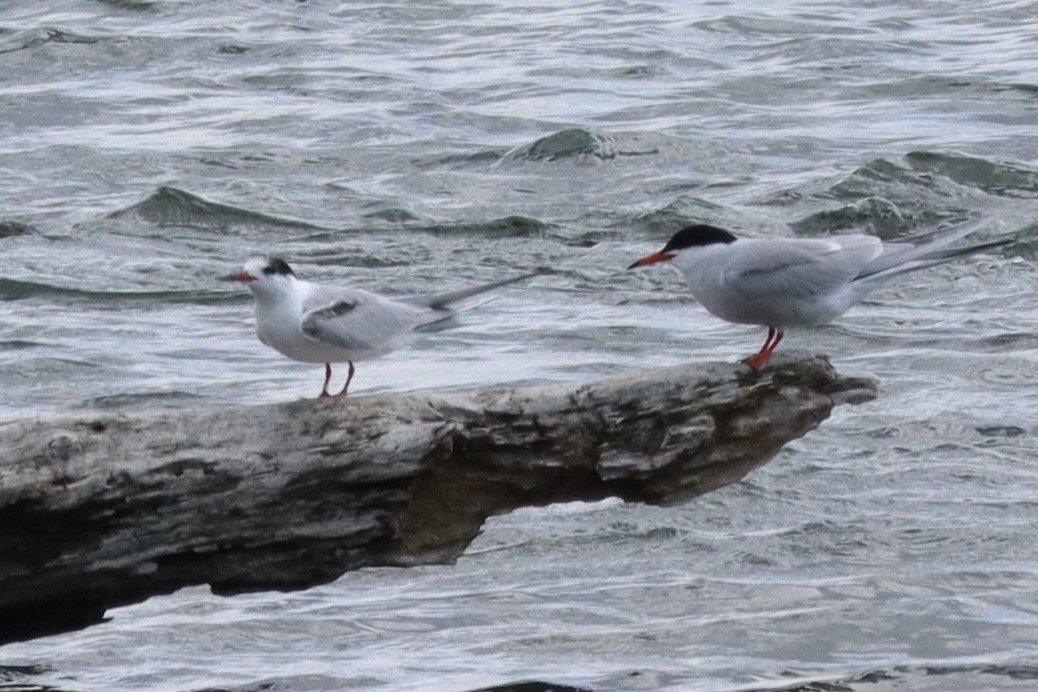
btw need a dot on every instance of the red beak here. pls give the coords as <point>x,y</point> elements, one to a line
<point>652,259</point>
<point>241,277</point>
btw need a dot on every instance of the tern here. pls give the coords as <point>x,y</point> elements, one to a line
<point>792,282</point>
<point>312,323</point>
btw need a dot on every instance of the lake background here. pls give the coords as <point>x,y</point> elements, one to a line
<point>147,148</point>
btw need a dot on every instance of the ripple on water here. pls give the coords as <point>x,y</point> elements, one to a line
<point>412,147</point>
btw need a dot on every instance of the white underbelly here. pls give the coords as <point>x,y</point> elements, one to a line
<point>775,311</point>
<point>282,334</point>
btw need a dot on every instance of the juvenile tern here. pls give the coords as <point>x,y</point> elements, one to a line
<point>312,323</point>
<point>791,282</point>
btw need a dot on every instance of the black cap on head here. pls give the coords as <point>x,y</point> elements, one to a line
<point>699,234</point>
<point>276,265</point>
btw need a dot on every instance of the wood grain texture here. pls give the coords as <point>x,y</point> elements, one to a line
<point>107,509</point>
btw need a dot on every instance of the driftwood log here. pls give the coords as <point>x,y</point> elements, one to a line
<point>106,509</point>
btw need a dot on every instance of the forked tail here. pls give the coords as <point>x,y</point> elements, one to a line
<point>896,261</point>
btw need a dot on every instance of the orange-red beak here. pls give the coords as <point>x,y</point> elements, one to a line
<point>652,259</point>
<point>241,277</point>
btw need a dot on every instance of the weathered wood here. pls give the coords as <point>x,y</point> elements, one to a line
<point>100,510</point>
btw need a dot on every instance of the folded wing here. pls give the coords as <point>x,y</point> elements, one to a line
<point>357,320</point>
<point>782,270</point>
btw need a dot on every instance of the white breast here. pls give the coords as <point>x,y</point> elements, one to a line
<point>277,326</point>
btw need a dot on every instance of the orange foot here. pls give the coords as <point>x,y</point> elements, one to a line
<point>757,360</point>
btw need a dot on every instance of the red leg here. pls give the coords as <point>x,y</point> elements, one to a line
<point>757,360</point>
<point>349,378</point>
<point>327,379</point>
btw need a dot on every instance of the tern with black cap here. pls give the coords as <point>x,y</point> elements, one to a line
<point>312,323</point>
<point>792,282</point>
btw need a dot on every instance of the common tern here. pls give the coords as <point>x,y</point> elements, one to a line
<point>793,282</point>
<point>312,323</point>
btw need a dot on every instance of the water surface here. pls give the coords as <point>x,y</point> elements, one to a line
<point>147,148</point>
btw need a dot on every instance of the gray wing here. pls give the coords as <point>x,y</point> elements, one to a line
<point>357,320</point>
<point>772,270</point>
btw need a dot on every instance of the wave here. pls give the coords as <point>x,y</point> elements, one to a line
<point>165,399</point>
<point>925,189</point>
<point>950,675</point>
<point>30,38</point>
<point>993,177</point>
<point>882,215</point>
<point>19,345</point>
<point>504,227</point>
<point>682,210</point>
<point>13,289</point>
<point>392,215</point>
<point>941,171</point>
<point>580,143</point>
<point>10,229</point>
<point>130,4</point>
<point>170,206</point>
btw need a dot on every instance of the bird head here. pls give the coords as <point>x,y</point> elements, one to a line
<point>263,274</point>
<point>685,242</point>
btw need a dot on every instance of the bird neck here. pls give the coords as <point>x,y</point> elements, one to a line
<point>272,292</point>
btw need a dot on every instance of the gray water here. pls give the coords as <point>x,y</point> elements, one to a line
<point>148,147</point>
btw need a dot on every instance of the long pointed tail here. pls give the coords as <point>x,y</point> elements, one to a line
<point>442,301</point>
<point>897,260</point>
